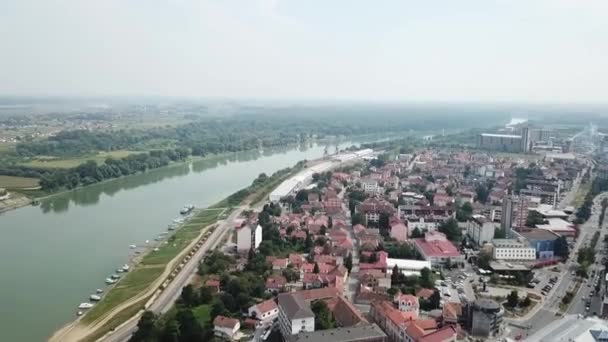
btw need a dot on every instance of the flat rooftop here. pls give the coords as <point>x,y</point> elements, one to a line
<point>356,333</point>
<point>494,135</point>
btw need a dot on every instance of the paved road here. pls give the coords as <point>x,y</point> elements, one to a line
<point>547,312</point>
<point>166,299</point>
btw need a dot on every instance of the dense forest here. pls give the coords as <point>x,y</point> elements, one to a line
<point>236,133</point>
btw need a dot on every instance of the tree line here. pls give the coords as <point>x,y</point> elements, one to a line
<point>90,173</point>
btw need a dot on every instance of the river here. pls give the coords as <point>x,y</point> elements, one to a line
<point>53,256</point>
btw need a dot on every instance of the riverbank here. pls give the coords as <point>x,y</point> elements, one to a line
<point>38,195</point>
<point>162,264</point>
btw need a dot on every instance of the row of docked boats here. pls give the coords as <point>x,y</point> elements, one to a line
<point>113,279</point>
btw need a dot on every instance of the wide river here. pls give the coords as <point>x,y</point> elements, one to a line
<point>53,256</point>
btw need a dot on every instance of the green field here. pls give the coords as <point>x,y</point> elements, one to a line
<point>66,163</point>
<point>11,182</point>
<point>7,147</point>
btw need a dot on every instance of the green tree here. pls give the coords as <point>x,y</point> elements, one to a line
<point>348,262</point>
<point>359,218</point>
<point>417,233</point>
<point>316,268</point>
<point>189,297</point>
<point>205,295</point>
<point>146,330</point>
<point>464,212</point>
<point>534,218</point>
<point>435,300</point>
<point>426,278</point>
<point>395,275</point>
<point>190,329</point>
<point>170,332</point>
<point>451,230</point>
<point>324,319</point>
<point>513,299</point>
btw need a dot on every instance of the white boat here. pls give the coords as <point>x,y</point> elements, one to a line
<point>155,249</point>
<point>125,268</point>
<point>171,228</point>
<point>119,270</point>
<point>187,209</point>
<point>110,281</point>
<point>79,313</point>
<point>85,306</point>
<point>115,276</point>
<point>132,246</point>
<point>94,297</point>
<point>147,242</point>
<point>99,291</point>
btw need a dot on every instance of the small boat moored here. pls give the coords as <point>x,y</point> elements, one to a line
<point>110,281</point>
<point>95,297</point>
<point>187,209</point>
<point>99,291</point>
<point>85,305</point>
<point>125,268</point>
<point>132,246</point>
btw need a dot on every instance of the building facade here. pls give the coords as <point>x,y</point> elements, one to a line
<point>513,249</point>
<point>294,315</point>
<point>485,318</point>
<point>480,230</point>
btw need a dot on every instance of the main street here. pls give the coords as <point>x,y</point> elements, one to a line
<point>167,298</point>
<point>548,310</point>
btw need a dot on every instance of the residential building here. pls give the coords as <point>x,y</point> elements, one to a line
<point>248,237</point>
<point>506,218</point>
<point>294,315</point>
<point>513,249</point>
<point>370,186</point>
<point>437,249</point>
<point>480,230</point>
<point>226,327</point>
<point>361,333</point>
<point>485,318</point>
<point>500,142</point>
<point>265,311</point>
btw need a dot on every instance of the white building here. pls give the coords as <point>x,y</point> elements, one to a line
<point>248,238</point>
<point>407,303</point>
<point>407,266</point>
<point>480,230</point>
<point>512,249</point>
<point>370,186</point>
<point>294,315</point>
<point>226,327</point>
<point>265,311</point>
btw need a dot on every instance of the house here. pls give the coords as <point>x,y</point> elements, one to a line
<point>399,232</point>
<point>451,313</point>
<point>226,327</point>
<point>275,284</point>
<point>248,237</point>
<point>437,249</point>
<point>294,315</point>
<point>280,264</point>
<point>214,284</point>
<point>265,311</point>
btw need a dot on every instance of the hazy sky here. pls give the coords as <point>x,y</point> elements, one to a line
<point>472,50</point>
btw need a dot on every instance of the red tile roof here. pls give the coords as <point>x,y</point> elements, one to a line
<point>437,247</point>
<point>225,322</point>
<point>446,333</point>
<point>267,306</point>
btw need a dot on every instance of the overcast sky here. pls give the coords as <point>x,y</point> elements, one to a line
<point>424,50</point>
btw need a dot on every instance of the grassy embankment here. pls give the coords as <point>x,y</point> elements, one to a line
<point>153,264</point>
